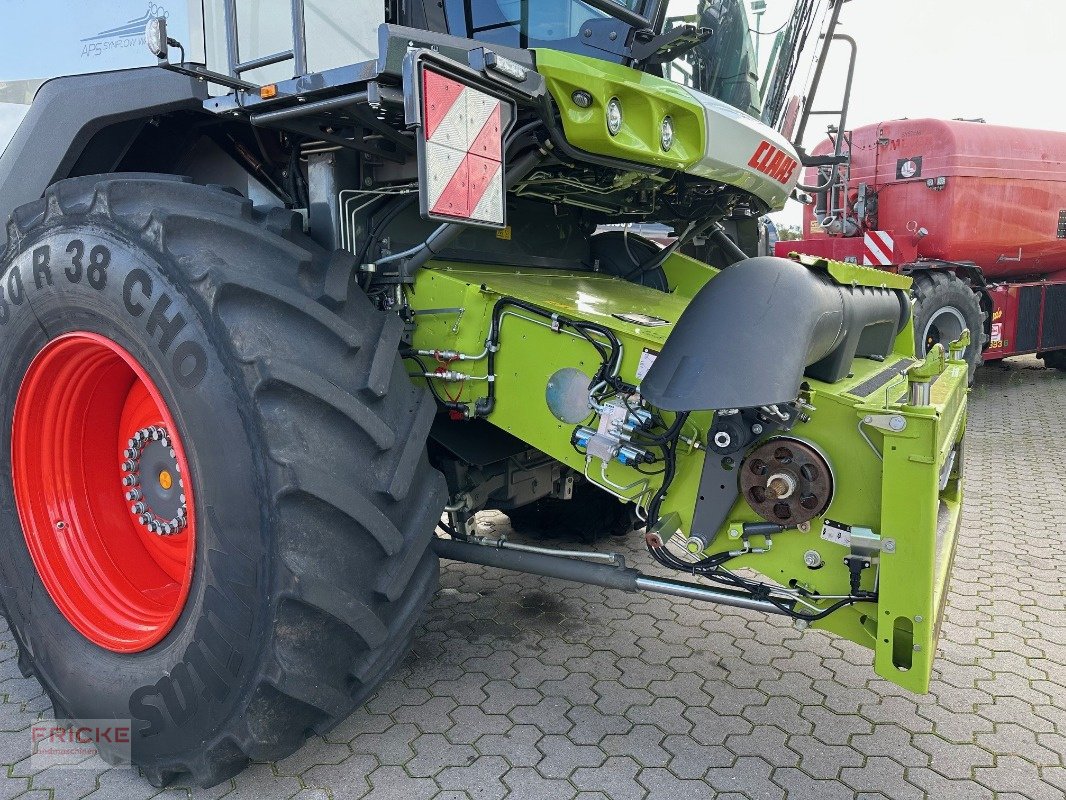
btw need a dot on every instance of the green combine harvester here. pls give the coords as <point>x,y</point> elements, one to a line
<point>283,311</point>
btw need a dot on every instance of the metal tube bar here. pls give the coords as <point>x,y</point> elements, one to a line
<point>693,591</point>
<point>571,569</point>
<point>567,569</point>
<point>816,79</point>
<point>262,61</point>
<point>299,37</point>
<point>620,12</point>
<point>304,109</point>
<point>615,559</point>
<point>230,21</point>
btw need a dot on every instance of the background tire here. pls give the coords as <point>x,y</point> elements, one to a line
<point>944,306</point>
<point>305,440</point>
<point>1056,359</point>
<point>589,515</point>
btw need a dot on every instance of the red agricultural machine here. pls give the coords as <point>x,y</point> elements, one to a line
<point>974,213</point>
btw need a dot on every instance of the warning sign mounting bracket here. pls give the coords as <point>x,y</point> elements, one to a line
<point>461,122</point>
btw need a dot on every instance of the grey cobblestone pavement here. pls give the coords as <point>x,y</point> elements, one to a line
<point>526,688</point>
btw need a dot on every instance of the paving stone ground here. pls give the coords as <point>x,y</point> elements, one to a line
<point>526,688</point>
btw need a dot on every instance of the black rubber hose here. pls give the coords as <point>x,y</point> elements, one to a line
<point>729,247</point>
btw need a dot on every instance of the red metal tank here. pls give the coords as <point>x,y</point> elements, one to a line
<point>985,193</point>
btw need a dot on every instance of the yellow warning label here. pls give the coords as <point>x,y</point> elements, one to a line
<point>504,233</point>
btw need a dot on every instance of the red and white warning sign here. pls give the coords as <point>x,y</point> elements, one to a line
<point>463,154</point>
<point>878,248</point>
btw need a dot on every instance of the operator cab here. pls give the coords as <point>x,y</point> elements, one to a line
<point>725,66</point>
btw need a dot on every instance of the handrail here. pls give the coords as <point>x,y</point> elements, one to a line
<point>297,54</point>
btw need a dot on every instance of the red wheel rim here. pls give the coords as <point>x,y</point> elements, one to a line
<point>83,401</point>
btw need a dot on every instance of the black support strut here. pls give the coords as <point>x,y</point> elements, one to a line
<point>612,577</point>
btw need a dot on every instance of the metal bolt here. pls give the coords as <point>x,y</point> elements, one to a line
<point>146,519</point>
<point>804,527</point>
<point>813,559</point>
<point>889,545</point>
<point>918,617</point>
<point>181,499</point>
<point>756,429</point>
<point>130,453</point>
<point>734,534</point>
<point>60,525</point>
<point>172,453</point>
<point>917,648</point>
<point>130,480</point>
<point>165,441</point>
<point>897,423</point>
<point>133,494</point>
<point>129,465</point>
<point>132,442</point>
<point>139,508</point>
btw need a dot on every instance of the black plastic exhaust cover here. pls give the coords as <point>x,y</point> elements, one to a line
<point>751,334</point>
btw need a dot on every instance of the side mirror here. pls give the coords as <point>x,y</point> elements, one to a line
<point>155,36</point>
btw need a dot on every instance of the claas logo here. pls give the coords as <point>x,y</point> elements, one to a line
<point>773,162</point>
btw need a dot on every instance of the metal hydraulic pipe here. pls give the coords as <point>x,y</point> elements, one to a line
<point>446,233</point>
<point>572,569</point>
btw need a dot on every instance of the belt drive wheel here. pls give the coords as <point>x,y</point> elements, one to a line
<point>787,481</point>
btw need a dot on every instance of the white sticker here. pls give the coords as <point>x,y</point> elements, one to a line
<point>836,533</point>
<point>647,358</point>
<point>997,333</point>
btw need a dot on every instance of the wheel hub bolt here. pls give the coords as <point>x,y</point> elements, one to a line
<point>141,507</point>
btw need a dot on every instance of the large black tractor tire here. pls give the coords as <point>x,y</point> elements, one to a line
<point>943,306</point>
<point>1056,359</point>
<point>590,514</point>
<point>304,439</point>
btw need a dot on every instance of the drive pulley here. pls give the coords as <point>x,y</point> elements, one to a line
<point>787,481</point>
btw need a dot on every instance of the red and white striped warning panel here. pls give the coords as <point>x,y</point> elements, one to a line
<point>463,170</point>
<point>878,249</point>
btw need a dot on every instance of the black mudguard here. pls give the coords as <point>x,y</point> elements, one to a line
<point>68,112</point>
<point>753,331</point>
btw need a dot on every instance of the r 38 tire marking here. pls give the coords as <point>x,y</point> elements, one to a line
<point>188,359</point>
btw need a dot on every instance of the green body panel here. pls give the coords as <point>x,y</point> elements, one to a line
<point>646,100</point>
<point>887,481</point>
<point>854,274</point>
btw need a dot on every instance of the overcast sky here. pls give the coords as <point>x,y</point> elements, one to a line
<point>1000,60</point>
